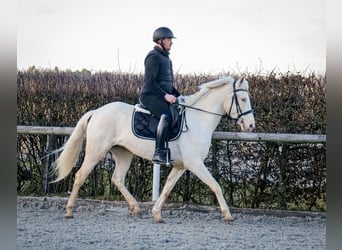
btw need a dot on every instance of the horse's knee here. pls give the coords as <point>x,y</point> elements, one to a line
<point>77,176</point>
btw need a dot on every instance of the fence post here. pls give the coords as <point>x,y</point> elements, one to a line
<point>156,181</point>
<point>46,168</point>
<point>282,179</point>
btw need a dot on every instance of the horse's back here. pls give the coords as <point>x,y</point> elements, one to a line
<point>112,113</point>
<point>116,106</point>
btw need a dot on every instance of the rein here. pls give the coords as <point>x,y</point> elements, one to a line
<point>234,99</point>
<point>198,109</point>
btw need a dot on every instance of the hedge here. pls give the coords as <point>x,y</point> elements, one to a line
<point>254,175</point>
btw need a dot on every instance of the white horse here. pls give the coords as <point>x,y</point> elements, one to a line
<point>108,128</point>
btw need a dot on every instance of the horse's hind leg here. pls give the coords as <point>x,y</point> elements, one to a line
<point>92,157</point>
<point>123,159</point>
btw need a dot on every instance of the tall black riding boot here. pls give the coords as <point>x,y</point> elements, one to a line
<point>161,151</point>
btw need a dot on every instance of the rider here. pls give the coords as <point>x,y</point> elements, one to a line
<point>158,91</point>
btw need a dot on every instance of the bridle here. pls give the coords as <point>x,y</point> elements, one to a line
<point>237,105</point>
<point>228,114</point>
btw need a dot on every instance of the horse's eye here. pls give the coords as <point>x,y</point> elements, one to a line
<point>243,99</point>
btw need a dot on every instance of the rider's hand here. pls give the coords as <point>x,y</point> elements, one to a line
<point>170,98</point>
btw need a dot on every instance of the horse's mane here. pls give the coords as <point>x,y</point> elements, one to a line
<point>204,88</point>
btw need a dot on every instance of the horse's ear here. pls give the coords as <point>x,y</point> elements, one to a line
<point>240,81</point>
<point>243,83</point>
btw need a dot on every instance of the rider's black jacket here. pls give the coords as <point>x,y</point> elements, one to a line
<point>158,79</point>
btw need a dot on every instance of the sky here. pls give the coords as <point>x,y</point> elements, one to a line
<point>212,36</point>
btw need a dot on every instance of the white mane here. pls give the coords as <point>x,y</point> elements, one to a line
<point>204,88</point>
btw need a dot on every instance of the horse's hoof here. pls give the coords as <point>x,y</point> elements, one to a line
<point>229,220</point>
<point>159,221</point>
<point>135,211</point>
<point>136,214</point>
<point>68,216</point>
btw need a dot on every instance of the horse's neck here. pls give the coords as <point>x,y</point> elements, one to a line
<point>212,102</point>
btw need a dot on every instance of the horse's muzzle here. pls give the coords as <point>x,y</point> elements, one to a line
<point>247,127</point>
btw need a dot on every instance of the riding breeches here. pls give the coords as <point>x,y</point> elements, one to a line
<point>157,106</point>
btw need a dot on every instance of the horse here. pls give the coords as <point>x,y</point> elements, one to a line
<point>108,128</point>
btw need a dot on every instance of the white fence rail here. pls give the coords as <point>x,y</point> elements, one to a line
<point>217,135</point>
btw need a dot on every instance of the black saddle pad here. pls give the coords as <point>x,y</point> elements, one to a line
<point>145,126</point>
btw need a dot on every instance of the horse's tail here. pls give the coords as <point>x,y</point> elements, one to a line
<point>71,149</point>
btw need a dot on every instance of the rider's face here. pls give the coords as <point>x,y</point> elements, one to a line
<point>167,42</point>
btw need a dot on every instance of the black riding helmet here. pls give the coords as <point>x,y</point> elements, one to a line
<point>161,33</point>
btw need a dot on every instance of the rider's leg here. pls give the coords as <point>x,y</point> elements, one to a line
<point>161,151</point>
<point>160,108</point>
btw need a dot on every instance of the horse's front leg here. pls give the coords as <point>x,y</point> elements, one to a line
<point>200,170</point>
<point>171,181</point>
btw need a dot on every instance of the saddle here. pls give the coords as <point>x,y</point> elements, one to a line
<point>144,123</point>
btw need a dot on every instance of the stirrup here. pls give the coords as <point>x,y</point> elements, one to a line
<point>160,159</point>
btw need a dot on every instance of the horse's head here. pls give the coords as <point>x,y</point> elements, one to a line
<point>238,107</point>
